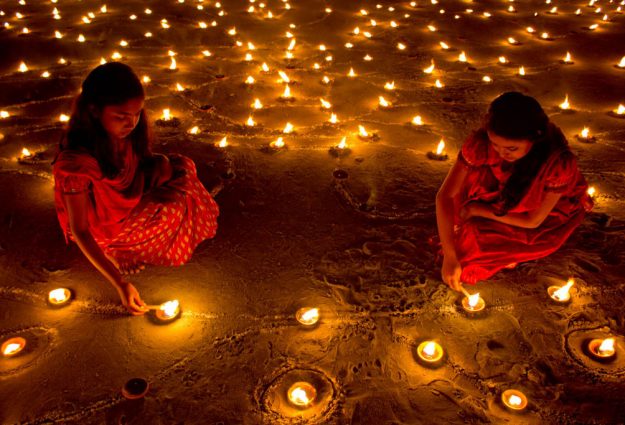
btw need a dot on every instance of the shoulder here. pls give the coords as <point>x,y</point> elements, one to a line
<point>477,151</point>
<point>76,162</point>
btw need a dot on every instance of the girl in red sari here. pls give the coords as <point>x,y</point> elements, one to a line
<point>515,193</point>
<point>123,205</point>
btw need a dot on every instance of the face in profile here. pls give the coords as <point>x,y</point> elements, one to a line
<point>120,120</point>
<point>509,149</point>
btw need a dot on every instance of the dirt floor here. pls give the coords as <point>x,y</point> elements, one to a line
<point>301,227</point>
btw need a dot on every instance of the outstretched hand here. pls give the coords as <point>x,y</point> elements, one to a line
<point>451,272</point>
<point>131,299</point>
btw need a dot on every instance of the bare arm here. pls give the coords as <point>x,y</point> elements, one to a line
<point>445,214</point>
<point>77,206</point>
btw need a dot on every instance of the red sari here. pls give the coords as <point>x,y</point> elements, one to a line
<point>131,223</point>
<point>486,246</point>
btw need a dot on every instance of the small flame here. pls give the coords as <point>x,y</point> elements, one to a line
<point>429,349</point>
<point>607,346</point>
<point>567,58</point>
<point>12,348</point>
<point>310,315</point>
<point>401,46</point>
<point>522,70</point>
<point>440,148</point>
<point>23,67</point>
<point>63,118</point>
<point>487,79</point>
<point>591,191</point>
<point>515,400</point>
<point>351,73</point>
<point>473,300</point>
<point>299,396</point>
<point>179,87</point>
<point>173,64</point>
<point>325,104</point>
<point>333,119</point>
<point>383,102</point>
<point>621,64</point>
<point>462,57</point>
<point>257,104</point>
<point>288,128</point>
<point>439,84</point>
<point>287,92</point>
<point>285,78</point>
<point>444,45</point>
<point>430,68</point>
<point>264,67</point>
<point>248,57</point>
<point>512,40</point>
<point>390,86</point>
<point>565,104</point>
<point>544,35</point>
<point>223,142</point>
<point>585,133</point>
<point>563,292</point>
<point>279,143</point>
<point>362,131</point>
<point>58,295</point>
<point>620,110</point>
<point>26,152</point>
<point>325,79</point>
<point>342,144</point>
<point>170,308</point>
<point>250,80</point>
<point>291,44</point>
<point>530,30</point>
<point>502,59</point>
<point>250,121</point>
<point>417,120</point>
<point>194,130</point>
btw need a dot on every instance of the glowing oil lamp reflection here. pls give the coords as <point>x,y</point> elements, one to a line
<point>514,399</point>
<point>59,296</point>
<point>602,349</point>
<point>13,346</point>
<point>561,294</point>
<point>430,351</point>
<point>301,394</point>
<point>307,316</point>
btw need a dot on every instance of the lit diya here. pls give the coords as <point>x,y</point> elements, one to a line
<point>307,316</point>
<point>561,294</point>
<point>167,119</point>
<point>13,346</point>
<point>430,352</point>
<point>277,144</point>
<point>472,303</point>
<point>439,154</point>
<point>514,399</point>
<point>602,349</point>
<point>60,296</point>
<point>363,134</point>
<point>341,149</point>
<point>301,394</point>
<point>167,311</point>
<point>585,136</point>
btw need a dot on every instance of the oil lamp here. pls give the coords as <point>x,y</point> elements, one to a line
<point>602,349</point>
<point>514,399</point>
<point>264,67</point>
<point>325,104</point>
<point>444,45</point>
<point>250,80</point>
<point>57,34</point>
<point>257,104</point>
<point>363,134</point>
<point>351,73</point>
<point>206,53</point>
<point>430,351</point>
<point>430,68</point>
<point>167,120</point>
<point>288,128</point>
<point>473,303</point>
<point>13,346</point>
<point>561,294</point>
<point>620,110</point>
<point>383,102</point>
<point>513,41</point>
<point>438,84</point>
<point>307,316</point>
<point>565,105</point>
<point>462,57</point>
<point>522,71</point>
<point>439,154</point>
<point>341,149</point>
<point>333,119</point>
<point>502,60</point>
<point>4,114</point>
<point>277,144</point>
<point>26,154</point>
<point>567,59</point>
<point>544,36</point>
<point>390,86</point>
<point>592,192</point>
<point>401,46</point>
<point>368,58</point>
<point>81,38</point>
<point>621,64</point>
<point>173,65</point>
<point>23,67</point>
<point>417,120</point>
<point>487,79</point>
<point>167,311</point>
<point>585,136</point>
<point>284,78</point>
<point>59,296</point>
<point>223,143</point>
<point>301,394</point>
<point>286,95</point>
<point>250,121</point>
<point>194,130</point>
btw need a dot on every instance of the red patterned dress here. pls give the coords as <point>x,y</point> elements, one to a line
<point>486,246</point>
<point>134,224</point>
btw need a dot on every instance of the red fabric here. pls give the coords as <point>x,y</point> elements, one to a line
<point>130,224</point>
<point>486,246</point>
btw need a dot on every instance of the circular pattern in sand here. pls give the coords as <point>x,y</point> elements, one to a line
<point>39,341</point>
<point>577,343</point>
<point>274,402</point>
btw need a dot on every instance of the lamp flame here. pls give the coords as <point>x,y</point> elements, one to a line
<point>417,120</point>
<point>620,110</point>
<point>474,299</point>
<point>430,349</point>
<point>223,142</point>
<point>325,104</point>
<point>591,191</point>
<point>585,133</point>
<point>390,86</point>
<point>563,293</point>
<point>257,104</point>
<point>621,64</point>
<point>515,400</point>
<point>285,78</point>
<point>173,66</point>
<point>440,148</point>
<point>333,119</point>
<point>250,121</point>
<point>170,308</point>
<point>26,152</point>
<point>430,68</point>
<point>288,128</point>
<point>607,346</point>
<point>166,115</point>
<point>462,57</point>
<point>567,58</point>
<point>362,131</point>
<point>279,143</point>
<point>522,70</point>
<point>287,92</point>
<point>58,296</point>
<point>343,143</point>
<point>565,104</point>
<point>383,102</point>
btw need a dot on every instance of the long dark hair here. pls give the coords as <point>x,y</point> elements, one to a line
<point>516,116</point>
<point>113,83</point>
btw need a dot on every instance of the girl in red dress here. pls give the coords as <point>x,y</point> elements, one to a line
<point>123,205</point>
<point>515,193</point>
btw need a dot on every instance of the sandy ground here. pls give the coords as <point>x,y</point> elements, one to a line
<point>293,235</point>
